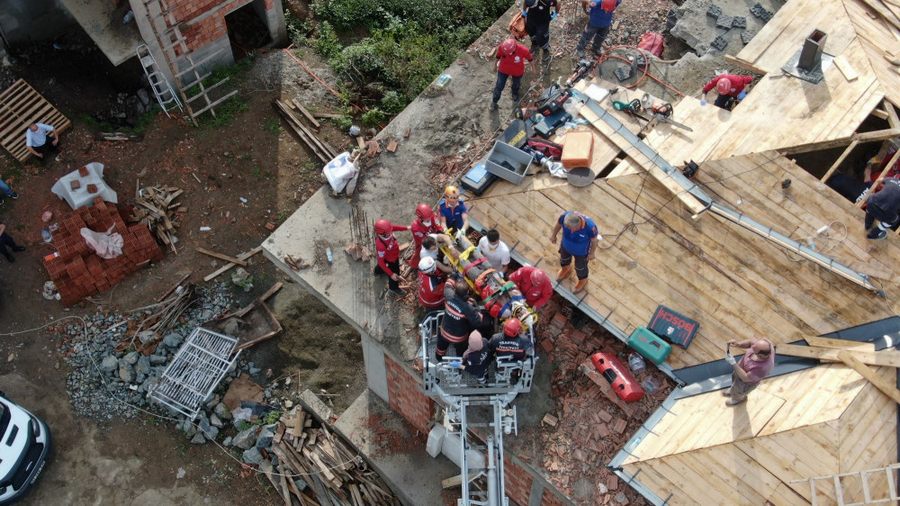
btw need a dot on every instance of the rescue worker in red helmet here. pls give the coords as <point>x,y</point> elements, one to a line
<point>511,58</point>
<point>600,19</point>
<point>431,284</point>
<point>387,250</point>
<point>510,344</point>
<point>424,224</point>
<point>534,284</point>
<point>730,90</point>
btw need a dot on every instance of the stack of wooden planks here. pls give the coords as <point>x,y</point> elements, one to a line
<point>156,207</point>
<point>318,467</point>
<point>322,149</point>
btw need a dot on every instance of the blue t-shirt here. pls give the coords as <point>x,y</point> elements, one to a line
<point>578,243</point>
<point>454,216</point>
<point>600,18</point>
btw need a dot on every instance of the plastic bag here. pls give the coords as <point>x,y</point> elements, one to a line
<point>105,244</point>
<point>340,171</point>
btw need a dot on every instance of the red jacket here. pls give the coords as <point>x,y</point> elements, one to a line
<point>419,231</point>
<point>535,295</point>
<point>737,83</point>
<point>431,290</point>
<point>388,251</point>
<point>514,65</point>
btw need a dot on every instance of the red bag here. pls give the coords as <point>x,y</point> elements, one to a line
<point>517,26</point>
<point>653,43</point>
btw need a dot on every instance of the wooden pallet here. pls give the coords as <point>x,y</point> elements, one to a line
<point>20,106</point>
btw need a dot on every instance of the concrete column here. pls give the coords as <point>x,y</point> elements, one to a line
<point>274,15</point>
<point>376,372</point>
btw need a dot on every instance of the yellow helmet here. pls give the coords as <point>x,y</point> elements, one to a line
<point>451,191</point>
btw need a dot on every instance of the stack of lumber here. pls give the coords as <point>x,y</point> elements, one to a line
<point>316,466</point>
<point>287,108</point>
<point>156,207</point>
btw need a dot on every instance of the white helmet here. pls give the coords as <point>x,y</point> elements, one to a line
<point>427,265</point>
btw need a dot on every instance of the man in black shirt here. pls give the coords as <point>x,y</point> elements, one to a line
<point>538,14</point>
<point>510,345</point>
<point>883,206</point>
<point>477,358</point>
<point>460,316</point>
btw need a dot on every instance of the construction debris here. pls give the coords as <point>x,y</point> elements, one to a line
<point>316,466</point>
<point>322,150</point>
<point>360,236</point>
<point>154,326</point>
<point>156,207</point>
<point>229,265</point>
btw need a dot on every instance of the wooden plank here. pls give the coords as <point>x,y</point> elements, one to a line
<point>228,266</point>
<point>839,161</point>
<point>878,180</point>
<point>844,66</point>
<point>851,359</point>
<point>306,113</point>
<point>738,62</point>
<point>221,256</point>
<point>879,358</point>
<point>865,137</point>
<point>841,344</point>
<point>893,120</point>
<point>175,287</point>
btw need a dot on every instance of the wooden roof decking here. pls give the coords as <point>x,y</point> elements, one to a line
<point>736,284</point>
<point>816,422</point>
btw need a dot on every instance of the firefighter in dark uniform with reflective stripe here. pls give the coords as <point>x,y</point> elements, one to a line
<point>510,345</point>
<point>461,317</point>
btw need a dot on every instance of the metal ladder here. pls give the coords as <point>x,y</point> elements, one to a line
<point>167,31</point>
<point>162,90</point>
<point>834,482</point>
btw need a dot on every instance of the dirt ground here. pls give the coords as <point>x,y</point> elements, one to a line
<point>251,156</point>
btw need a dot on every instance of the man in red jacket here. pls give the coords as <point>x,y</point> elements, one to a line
<point>534,284</point>
<point>423,225</point>
<point>730,88</point>
<point>431,285</point>
<point>512,56</point>
<point>388,251</point>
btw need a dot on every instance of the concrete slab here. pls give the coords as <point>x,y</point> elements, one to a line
<point>103,23</point>
<point>413,473</point>
<point>698,27</point>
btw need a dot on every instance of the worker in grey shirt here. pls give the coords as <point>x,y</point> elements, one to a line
<point>40,138</point>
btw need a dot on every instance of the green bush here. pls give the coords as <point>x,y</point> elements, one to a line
<point>374,117</point>
<point>392,102</point>
<point>327,43</point>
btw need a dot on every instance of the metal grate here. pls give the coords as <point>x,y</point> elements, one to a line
<point>198,367</point>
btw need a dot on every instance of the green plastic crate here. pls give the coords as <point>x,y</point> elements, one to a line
<point>649,345</point>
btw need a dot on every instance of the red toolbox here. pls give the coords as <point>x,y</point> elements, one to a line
<point>623,382</point>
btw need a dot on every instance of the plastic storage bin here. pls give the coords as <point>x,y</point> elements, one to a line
<point>649,345</point>
<point>508,162</point>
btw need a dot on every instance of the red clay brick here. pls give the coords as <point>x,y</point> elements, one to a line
<point>83,172</point>
<point>619,425</point>
<point>612,482</point>
<point>75,184</point>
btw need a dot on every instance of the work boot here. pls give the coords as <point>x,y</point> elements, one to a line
<point>876,233</point>
<point>493,106</point>
<point>14,195</point>
<point>579,286</point>
<point>564,273</point>
<point>546,57</point>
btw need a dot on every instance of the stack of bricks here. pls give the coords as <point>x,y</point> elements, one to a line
<point>406,396</point>
<point>77,271</point>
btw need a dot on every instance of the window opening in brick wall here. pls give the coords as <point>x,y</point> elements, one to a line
<point>247,29</point>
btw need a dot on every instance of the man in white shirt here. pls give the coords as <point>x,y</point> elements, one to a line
<point>40,138</point>
<point>495,250</point>
<point>430,249</point>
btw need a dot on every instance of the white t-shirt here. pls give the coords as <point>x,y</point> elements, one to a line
<point>39,138</point>
<point>499,257</point>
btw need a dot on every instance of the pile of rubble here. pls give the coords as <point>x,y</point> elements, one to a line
<point>570,454</point>
<point>108,379</point>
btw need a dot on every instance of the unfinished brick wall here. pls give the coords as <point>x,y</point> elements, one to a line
<point>548,498</point>
<point>405,396</point>
<point>518,482</point>
<point>77,271</point>
<point>210,28</point>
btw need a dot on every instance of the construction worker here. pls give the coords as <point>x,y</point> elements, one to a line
<point>600,19</point>
<point>461,316</point>
<point>538,14</point>
<point>388,251</point>
<point>495,251</point>
<point>511,58</point>
<point>510,344</point>
<point>579,240</point>
<point>534,284</point>
<point>750,370</point>
<point>454,214</point>
<point>477,358</point>
<point>730,90</point>
<point>431,284</point>
<point>877,164</point>
<point>423,225</point>
<point>883,206</point>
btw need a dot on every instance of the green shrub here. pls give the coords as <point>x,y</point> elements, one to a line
<point>327,43</point>
<point>374,117</point>
<point>392,103</point>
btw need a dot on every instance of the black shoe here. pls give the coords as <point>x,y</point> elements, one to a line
<point>876,233</point>
<point>18,248</point>
<point>14,195</point>
<point>493,106</point>
<point>399,292</point>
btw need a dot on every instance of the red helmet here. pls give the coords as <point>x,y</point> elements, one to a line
<point>383,227</point>
<point>539,278</point>
<point>512,327</point>
<point>424,212</point>
<point>723,86</point>
<point>508,47</point>
<point>608,5</point>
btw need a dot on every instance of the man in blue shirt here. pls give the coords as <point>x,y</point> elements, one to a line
<point>579,240</point>
<point>453,210</point>
<point>600,18</point>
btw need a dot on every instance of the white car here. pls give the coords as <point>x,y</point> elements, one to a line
<point>24,449</point>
